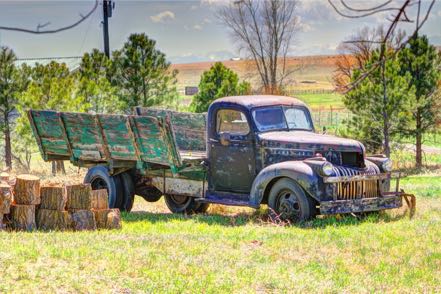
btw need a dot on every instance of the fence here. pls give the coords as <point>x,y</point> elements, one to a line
<point>332,118</point>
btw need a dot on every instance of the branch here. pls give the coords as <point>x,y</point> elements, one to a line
<point>38,31</point>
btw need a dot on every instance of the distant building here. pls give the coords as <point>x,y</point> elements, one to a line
<point>190,91</point>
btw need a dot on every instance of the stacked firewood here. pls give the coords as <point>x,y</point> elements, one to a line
<point>68,207</point>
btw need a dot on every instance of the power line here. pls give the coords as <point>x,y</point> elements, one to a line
<point>48,58</point>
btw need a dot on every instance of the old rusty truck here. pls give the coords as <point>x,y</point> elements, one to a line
<point>246,151</point>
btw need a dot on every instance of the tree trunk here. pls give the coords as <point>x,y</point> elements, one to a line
<point>386,127</point>
<point>8,148</point>
<point>419,141</point>
<point>58,167</point>
<point>5,198</point>
<point>48,219</point>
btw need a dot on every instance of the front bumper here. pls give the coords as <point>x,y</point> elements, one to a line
<point>361,205</point>
<point>352,195</point>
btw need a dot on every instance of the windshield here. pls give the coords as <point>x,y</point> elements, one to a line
<point>278,117</point>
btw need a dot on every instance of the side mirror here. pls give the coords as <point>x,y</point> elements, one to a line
<point>225,138</point>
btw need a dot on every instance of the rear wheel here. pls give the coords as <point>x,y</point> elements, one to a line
<point>99,178</point>
<point>184,204</point>
<point>288,201</point>
<point>128,189</point>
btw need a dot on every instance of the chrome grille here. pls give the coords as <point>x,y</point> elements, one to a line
<point>359,189</point>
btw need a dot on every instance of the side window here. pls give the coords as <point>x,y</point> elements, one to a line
<point>232,121</point>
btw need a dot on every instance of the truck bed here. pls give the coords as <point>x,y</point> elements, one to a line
<point>118,141</point>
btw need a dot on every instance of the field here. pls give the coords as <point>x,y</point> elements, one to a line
<point>235,250</point>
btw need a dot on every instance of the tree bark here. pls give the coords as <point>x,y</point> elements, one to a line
<point>58,167</point>
<point>53,198</point>
<point>27,190</point>
<point>79,197</point>
<point>419,141</point>
<point>23,217</point>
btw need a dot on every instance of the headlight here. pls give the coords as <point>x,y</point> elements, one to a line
<point>327,169</point>
<point>387,165</point>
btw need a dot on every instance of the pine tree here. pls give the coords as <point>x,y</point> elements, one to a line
<point>422,62</point>
<point>219,81</point>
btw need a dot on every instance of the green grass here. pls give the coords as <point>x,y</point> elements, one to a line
<point>232,250</point>
<point>322,100</point>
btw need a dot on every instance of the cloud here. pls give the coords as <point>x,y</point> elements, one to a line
<point>163,16</point>
<point>197,27</point>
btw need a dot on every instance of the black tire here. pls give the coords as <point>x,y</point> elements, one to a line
<point>288,201</point>
<point>128,190</point>
<point>203,207</point>
<point>182,204</point>
<point>99,178</point>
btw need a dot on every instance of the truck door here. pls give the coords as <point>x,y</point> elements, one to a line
<point>231,152</point>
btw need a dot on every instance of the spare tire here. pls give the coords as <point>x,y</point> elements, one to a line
<point>99,178</point>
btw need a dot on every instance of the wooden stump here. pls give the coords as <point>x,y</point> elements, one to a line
<point>4,177</point>
<point>53,197</point>
<point>23,217</point>
<point>83,220</point>
<point>5,198</point>
<point>27,190</point>
<point>100,199</point>
<point>108,218</point>
<point>54,220</point>
<point>78,197</point>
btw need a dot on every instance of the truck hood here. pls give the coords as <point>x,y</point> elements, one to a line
<point>308,141</point>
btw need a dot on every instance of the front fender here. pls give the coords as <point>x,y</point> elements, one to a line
<point>299,171</point>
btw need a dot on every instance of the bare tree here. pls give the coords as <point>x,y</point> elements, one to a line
<point>263,30</point>
<point>404,11</point>
<point>39,28</point>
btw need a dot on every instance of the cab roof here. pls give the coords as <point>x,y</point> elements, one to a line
<point>251,101</point>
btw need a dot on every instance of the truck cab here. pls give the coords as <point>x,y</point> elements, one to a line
<point>246,151</point>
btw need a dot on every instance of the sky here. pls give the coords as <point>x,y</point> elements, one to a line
<point>186,31</point>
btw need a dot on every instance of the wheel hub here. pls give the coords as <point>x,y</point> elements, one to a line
<point>288,205</point>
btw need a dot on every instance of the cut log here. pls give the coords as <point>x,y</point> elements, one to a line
<point>108,218</point>
<point>83,220</point>
<point>23,217</point>
<point>27,190</point>
<point>5,198</point>
<point>53,197</point>
<point>53,220</point>
<point>4,177</point>
<point>79,196</point>
<point>100,199</point>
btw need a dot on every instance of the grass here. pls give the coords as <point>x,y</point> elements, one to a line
<point>325,100</point>
<point>234,250</point>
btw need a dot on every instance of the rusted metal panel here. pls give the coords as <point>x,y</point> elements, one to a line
<point>178,186</point>
<point>361,205</point>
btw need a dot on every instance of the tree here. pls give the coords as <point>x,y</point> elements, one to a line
<point>264,30</point>
<point>218,81</point>
<point>94,83</point>
<point>12,82</point>
<point>380,103</point>
<point>52,86</point>
<point>142,73</point>
<point>422,62</point>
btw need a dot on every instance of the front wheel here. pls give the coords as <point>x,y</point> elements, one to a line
<point>288,201</point>
<point>184,204</point>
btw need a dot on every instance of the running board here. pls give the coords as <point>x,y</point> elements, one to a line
<point>226,198</point>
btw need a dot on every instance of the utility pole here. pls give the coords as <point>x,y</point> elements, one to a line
<point>108,6</point>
